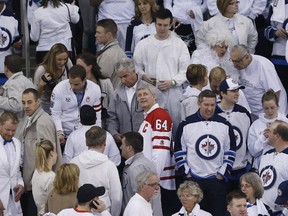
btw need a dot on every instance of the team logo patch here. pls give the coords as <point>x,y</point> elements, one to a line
<point>53,96</point>
<point>208,147</point>
<point>268,176</point>
<point>88,99</point>
<point>238,137</point>
<point>68,99</point>
<point>5,39</point>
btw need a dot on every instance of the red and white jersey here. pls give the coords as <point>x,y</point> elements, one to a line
<point>156,130</point>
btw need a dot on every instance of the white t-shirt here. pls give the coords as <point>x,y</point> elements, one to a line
<point>42,184</point>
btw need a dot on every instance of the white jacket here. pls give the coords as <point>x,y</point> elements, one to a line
<point>245,30</point>
<point>8,30</point>
<point>257,142</point>
<point>97,169</point>
<point>118,10</point>
<point>51,25</point>
<point>10,175</point>
<point>249,8</point>
<point>164,60</point>
<point>64,107</point>
<point>196,212</point>
<point>76,144</point>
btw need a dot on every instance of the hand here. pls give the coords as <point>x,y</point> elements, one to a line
<point>100,205</point>
<point>1,208</point>
<point>18,190</point>
<point>281,33</point>
<point>219,177</point>
<point>266,132</point>
<point>151,81</point>
<point>17,44</point>
<point>164,85</point>
<point>175,23</point>
<point>191,14</point>
<point>61,138</point>
<point>46,76</point>
<point>118,137</point>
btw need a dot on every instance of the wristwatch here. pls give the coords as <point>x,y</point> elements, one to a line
<point>174,83</point>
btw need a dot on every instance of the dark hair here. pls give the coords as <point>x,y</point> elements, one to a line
<point>55,3</point>
<point>90,59</point>
<point>281,129</point>
<point>13,63</point>
<point>206,93</point>
<point>109,25</point>
<point>164,13</point>
<point>135,140</point>
<point>196,74</point>
<point>87,115</point>
<point>270,95</point>
<point>236,194</point>
<point>95,136</point>
<point>32,91</point>
<point>77,71</point>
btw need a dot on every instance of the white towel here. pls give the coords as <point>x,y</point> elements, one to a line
<point>196,23</point>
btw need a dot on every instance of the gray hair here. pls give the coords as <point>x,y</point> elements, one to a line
<point>218,36</point>
<point>254,180</point>
<point>192,188</point>
<point>151,88</point>
<point>241,48</point>
<point>125,63</point>
<point>141,178</point>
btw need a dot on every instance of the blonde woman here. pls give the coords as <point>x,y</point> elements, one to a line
<point>43,177</point>
<point>63,194</point>
<point>190,194</point>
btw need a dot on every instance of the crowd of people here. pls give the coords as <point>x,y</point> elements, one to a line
<point>169,108</point>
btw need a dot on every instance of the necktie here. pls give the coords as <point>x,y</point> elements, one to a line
<point>7,141</point>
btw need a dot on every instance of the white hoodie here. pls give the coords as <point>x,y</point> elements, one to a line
<point>257,142</point>
<point>97,169</point>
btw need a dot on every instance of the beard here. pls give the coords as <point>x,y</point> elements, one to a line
<point>155,195</point>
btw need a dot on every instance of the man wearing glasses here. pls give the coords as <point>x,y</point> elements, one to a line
<point>258,75</point>
<point>147,189</point>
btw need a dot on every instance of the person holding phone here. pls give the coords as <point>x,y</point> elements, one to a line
<point>88,202</point>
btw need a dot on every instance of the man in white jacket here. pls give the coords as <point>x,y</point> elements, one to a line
<point>97,169</point>
<point>162,60</point>
<point>68,96</point>
<point>11,182</point>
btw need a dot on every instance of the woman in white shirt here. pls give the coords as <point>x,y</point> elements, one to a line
<point>50,25</point>
<point>258,132</point>
<point>190,194</point>
<point>43,176</point>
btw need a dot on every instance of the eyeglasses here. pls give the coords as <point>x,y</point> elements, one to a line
<point>152,184</point>
<point>239,60</point>
<point>187,196</point>
<point>246,185</point>
<point>234,3</point>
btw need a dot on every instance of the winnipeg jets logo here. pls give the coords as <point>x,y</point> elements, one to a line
<point>268,176</point>
<point>207,147</point>
<point>5,39</point>
<point>238,137</point>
